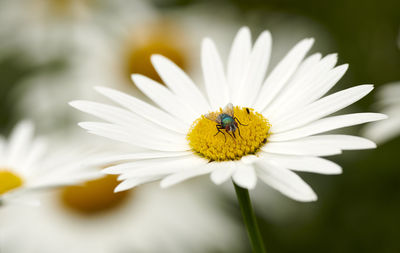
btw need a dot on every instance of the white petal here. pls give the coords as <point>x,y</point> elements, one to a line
<point>3,146</point>
<point>153,167</point>
<point>300,147</point>
<point>180,83</point>
<point>249,159</point>
<point>184,175</point>
<point>135,156</point>
<point>384,130</point>
<point>255,71</point>
<point>303,75</point>
<point>143,164</point>
<point>20,139</point>
<point>214,77</point>
<point>222,171</point>
<point>281,74</point>
<point>303,163</point>
<point>37,152</point>
<point>133,182</point>
<point>62,179</point>
<point>327,124</point>
<point>321,108</point>
<point>238,58</point>
<point>151,133</point>
<point>165,98</point>
<point>245,176</point>
<point>172,167</point>
<point>145,110</point>
<point>109,113</point>
<point>344,142</point>
<point>286,182</point>
<point>125,118</point>
<point>306,88</point>
<point>323,84</point>
<point>307,66</point>
<point>140,139</point>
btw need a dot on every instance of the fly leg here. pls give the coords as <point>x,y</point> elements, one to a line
<point>233,137</point>
<point>239,132</point>
<point>219,127</point>
<point>239,121</point>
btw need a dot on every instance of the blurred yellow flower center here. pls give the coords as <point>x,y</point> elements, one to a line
<point>94,196</point>
<point>67,8</point>
<point>205,139</point>
<point>9,181</point>
<point>60,5</point>
<point>161,40</point>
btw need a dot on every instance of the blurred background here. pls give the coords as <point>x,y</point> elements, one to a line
<point>55,51</point>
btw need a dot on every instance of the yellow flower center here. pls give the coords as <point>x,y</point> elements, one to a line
<point>9,181</point>
<point>61,6</point>
<point>60,9</point>
<point>248,137</point>
<point>161,39</point>
<point>94,196</point>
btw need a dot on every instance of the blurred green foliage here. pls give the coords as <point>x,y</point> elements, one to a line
<point>13,71</point>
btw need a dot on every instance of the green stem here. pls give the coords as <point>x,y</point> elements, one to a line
<point>249,219</point>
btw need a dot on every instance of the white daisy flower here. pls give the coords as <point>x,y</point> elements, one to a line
<point>45,29</point>
<point>389,102</point>
<point>91,218</point>
<point>267,129</point>
<point>27,164</point>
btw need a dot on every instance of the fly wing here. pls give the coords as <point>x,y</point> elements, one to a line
<point>228,109</point>
<point>213,116</point>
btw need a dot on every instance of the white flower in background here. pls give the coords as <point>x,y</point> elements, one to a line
<point>276,120</point>
<point>44,29</point>
<point>109,56</point>
<point>28,164</point>
<point>112,57</point>
<point>91,218</point>
<point>389,103</point>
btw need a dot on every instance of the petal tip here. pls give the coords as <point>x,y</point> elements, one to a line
<point>101,89</point>
<point>121,187</point>
<point>165,184</point>
<point>74,103</point>
<point>309,41</point>
<point>310,197</point>
<point>156,58</point>
<point>215,180</point>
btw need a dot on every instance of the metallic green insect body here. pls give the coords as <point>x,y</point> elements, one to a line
<point>225,120</point>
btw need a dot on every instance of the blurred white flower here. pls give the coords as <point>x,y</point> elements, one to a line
<point>45,29</point>
<point>29,164</point>
<point>276,119</point>
<point>388,101</point>
<point>91,218</point>
<point>108,57</point>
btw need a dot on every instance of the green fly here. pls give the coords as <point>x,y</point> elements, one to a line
<point>225,120</point>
